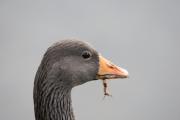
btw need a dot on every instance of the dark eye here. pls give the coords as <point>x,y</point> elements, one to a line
<point>86,54</point>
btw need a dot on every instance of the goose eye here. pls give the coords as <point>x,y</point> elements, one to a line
<point>86,54</point>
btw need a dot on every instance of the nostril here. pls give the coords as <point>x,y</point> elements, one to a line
<point>111,66</point>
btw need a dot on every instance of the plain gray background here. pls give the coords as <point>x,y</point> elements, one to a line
<point>142,36</point>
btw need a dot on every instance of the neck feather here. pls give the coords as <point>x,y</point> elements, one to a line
<point>52,99</point>
<point>54,104</point>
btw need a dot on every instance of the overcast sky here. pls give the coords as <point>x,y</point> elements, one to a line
<point>142,36</point>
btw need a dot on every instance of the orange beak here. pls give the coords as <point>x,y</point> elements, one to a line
<point>107,70</point>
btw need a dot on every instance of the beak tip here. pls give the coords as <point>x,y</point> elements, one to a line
<point>125,73</point>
